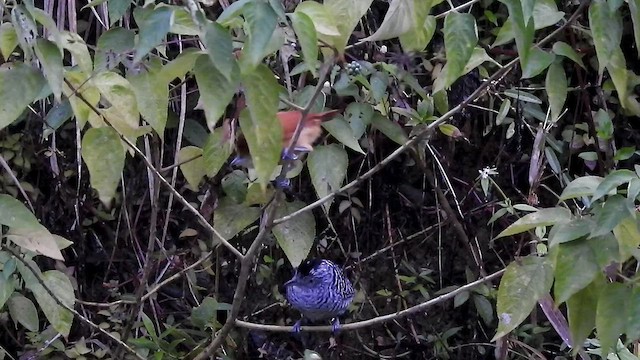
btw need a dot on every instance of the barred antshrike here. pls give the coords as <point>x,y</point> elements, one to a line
<point>319,290</point>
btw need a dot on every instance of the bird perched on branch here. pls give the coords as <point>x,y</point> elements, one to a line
<point>320,290</point>
<point>289,120</point>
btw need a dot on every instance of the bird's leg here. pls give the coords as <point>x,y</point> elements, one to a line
<point>282,183</point>
<point>290,156</point>
<point>335,326</point>
<point>297,327</point>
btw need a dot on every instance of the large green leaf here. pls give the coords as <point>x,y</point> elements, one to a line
<point>80,86</point>
<point>59,283</point>
<point>117,8</point>
<point>582,186</point>
<point>606,29</point>
<point>51,59</point>
<point>612,212</point>
<point>154,24</point>
<point>522,30</point>
<point>525,281</point>
<point>104,154</point>
<point>24,312</point>
<point>181,65</point>
<point>633,321</point>
<point>612,181</point>
<point>542,217</point>
<point>259,124</point>
<point>20,84</point>
<point>220,49</point>
<point>391,129</point>
<point>576,267</point>
<point>564,49</point>
<point>569,231</point>
<point>76,46</point>
<point>14,214</point>
<point>460,38</point>
<point>308,37</point>
<point>123,111</point>
<point>215,90</point>
<point>611,314</point>
<point>7,287</point>
<point>537,62</point>
<point>295,236</point>
<point>261,21</point>
<point>152,96</point>
<point>8,39</point>
<point>628,236</point>
<point>328,168</point>
<point>112,48</point>
<point>37,239</point>
<point>215,152</point>
<point>424,27</point>
<point>634,10</point>
<point>231,218</point>
<point>398,20</point>
<point>581,312</point>
<point>346,14</point>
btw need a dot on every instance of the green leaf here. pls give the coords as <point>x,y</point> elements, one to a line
<point>633,321</point>
<point>117,8</point>
<point>220,49</point>
<point>582,186</point>
<point>569,231</point>
<point>24,312</point>
<point>215,152</point>
<point>543,217</point>
<point>340,129</point>
<point>634,9</point>
<point>524,282</point>
<point>296,235</point>
<point>182,64</point>
<point>192,165</point>
<point>259,124</point>
<point>504,111</point>
<point>564,49</point>
<point>261,21</point>
<point>80,86</point>
<point>606,29</point>
<point>183,23</point>
<point>391,129</point>
<point>606,249</point>
<point>123,110</point>
<point>522,96</point>
<point>7,287</point>
<point>522,30</point>
<point>152,96</point>
<point>112,48</point>
<point>556,86</point>
<point>205,314</point>
<point>104,154</point>
<point>398,20</point>
<point>628,236</point>
<point>611,314</point>
<point>379,83</point>
<point>324,23</point>
<point>581,312</point>
<point>613,211</point>
<point>154,26</point>
<point>230,218</point>
<point>59,283</point>
<point>20,84</point>
<point>308,37</point>
<point>612,181</point>
<point>14,214</point>
<point>537,61</point>
<point>576,268</point>
<point>8,39</point>
<point>424,26</point>
<point>460,38</point>
<point>37,239</point>
<point>328,168</point>
<point>346,14</point>
<point>76,46</point>
<point>215,90</point>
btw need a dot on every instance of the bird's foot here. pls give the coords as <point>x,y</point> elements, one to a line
<point>297,327</point>
<point>289,155</point>
<point>335,326</point>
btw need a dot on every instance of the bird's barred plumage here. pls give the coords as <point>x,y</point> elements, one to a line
<point>319,290</point>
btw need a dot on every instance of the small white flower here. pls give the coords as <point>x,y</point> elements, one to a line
<point>486,172</point>
<point>383,49</point>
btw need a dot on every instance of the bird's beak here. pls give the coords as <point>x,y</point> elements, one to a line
<point>293,279</point>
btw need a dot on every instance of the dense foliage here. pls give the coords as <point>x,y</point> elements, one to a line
<point>479,184</point>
